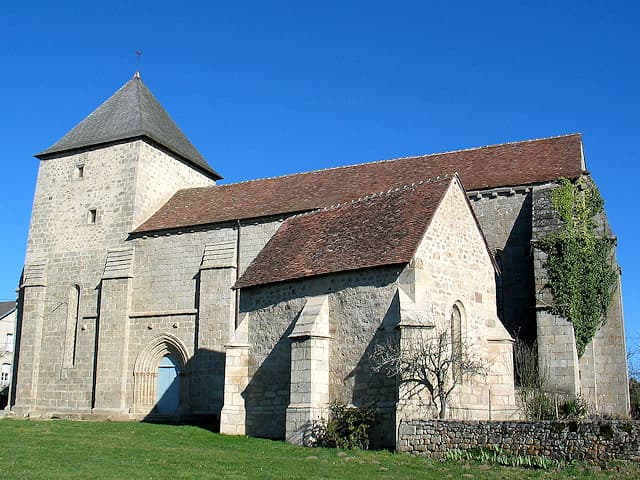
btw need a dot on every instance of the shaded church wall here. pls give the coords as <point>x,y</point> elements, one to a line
<point>505,218</point>
<point>362,311</point>
<point>182,285</point>
<point>557,353</point>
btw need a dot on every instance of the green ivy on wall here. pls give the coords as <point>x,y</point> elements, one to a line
<point>579,262</point>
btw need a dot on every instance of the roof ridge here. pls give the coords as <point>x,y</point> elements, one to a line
<point>409,186</point>
<point>138,84</point>
<point>396,159</point>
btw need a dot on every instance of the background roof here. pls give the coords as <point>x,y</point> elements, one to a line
<point>479,168</point>
<point>6,308</point>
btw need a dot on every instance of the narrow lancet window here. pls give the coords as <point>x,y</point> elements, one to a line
<point>71,333</point>
<point>456,342</point>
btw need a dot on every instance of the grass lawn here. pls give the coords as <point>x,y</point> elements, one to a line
<point>112,450</point>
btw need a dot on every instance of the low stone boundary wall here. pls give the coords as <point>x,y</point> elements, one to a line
<point>563,440</point>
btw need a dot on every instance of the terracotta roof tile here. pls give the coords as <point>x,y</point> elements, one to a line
<point>382,229</point>
<point>510,164</point>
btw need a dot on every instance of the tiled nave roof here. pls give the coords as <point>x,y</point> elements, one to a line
<point>510,164</point>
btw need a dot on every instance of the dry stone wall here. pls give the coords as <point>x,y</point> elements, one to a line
<point>567,440</point>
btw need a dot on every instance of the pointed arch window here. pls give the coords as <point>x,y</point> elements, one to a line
<point>456,341</point>
<point>71,330</point>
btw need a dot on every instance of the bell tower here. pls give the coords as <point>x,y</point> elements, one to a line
<point>95,185</point>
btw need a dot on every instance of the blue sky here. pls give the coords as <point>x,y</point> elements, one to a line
<point>274,87</point>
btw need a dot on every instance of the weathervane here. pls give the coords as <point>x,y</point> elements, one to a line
<point>138,54</point>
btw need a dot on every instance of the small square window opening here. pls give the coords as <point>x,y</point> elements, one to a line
<point>80,171</point>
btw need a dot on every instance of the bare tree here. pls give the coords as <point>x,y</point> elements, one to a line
<point>633,356</point>
<point>532,383</point>
<point>633,364</point>
<point>428,362</point>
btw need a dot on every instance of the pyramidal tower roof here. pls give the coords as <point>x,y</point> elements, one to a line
<point>131,112</point>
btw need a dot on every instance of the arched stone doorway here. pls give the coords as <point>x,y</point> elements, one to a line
<point>160,383</point>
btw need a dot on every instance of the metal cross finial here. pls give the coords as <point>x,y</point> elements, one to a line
<point>138,54</point>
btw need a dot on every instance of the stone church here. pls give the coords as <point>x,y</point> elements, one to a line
<point>149,291</point>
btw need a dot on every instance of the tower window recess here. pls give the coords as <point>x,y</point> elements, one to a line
<point>80,170</point>
<point>93,215</point>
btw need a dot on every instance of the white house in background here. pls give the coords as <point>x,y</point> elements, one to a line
<point>7,341</point>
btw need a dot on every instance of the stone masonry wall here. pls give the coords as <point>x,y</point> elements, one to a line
<point>73,249</point>
<point>505,218</point>
<point>173,294</point>
<point>568,440</point>
<point>362,308</point>
<point>453,267</point>
<point>159,175</point>
<point>167,267</point>
<point>254,235</point>
<point>609,347</point>
<point>167,263</point>
<point>600,375</point>
<point>60,218</point>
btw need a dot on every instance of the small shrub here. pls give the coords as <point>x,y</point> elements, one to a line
<point>537,404</point>
<point>606,431</point>
<point>348,427</point>
<point>627,428</point>
<point>574,408</point>
<point>634,396</point>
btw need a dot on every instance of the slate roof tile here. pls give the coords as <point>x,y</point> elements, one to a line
<point>130,113</point>
<point>6,308</point>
